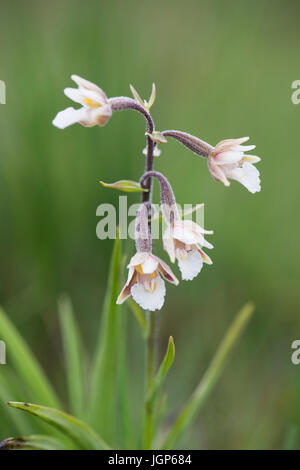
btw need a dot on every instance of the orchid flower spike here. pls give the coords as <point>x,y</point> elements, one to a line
<point>144,282</point>
<point>228,161</point>
<point>182,239</point>
<point>95,109</point>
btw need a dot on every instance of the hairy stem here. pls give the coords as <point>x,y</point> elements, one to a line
<point>194,144</point>
<point>150,376</point>
<point>121,103</point>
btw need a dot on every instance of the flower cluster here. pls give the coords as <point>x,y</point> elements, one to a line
<point>183,240</point>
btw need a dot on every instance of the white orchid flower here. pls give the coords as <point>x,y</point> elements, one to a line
<point>144,283</point>
<point>184,240</point>
<point>95,109</point>
<point>228,161</point>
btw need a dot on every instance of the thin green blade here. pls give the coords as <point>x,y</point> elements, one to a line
<point>81,434</point>
<point>33,442</point>
<point>103,392</point>
<point>25,364</point>
<point>195,402</point>
<point>73,356</point>
<point>163,370</point>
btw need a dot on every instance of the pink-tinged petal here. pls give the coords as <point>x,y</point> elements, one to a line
<point>206,259</point>
<point>101,115</point>
<point>137,259</point>
<point>168,243</point>
<point>196,227</point>
<point>190,265</point>
<point>69,116</point>
<point>150,264</point>
<point>216,171</point>
<point>126,291</point>
<point>150,300</point>
<point>167,272</point>
<point>223,158</point>
<point>228,143</point>
<point>85,84</point>
<point>185,235</point>
<point>188,236</point>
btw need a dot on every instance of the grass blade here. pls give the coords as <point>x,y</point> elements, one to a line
<point>73,356</point>
<point>138,315</point>
<point>163,370</point>
<point>210,377</point>
<point>10,390</point>
<point>103,392</point>
<point>33,442</point>
<point>81,434</point>
<point>25,364</point>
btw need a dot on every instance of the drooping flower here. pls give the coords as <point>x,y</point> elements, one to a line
<point>144,282</point>
<point>228,161</point>
<point>95,109</point>
<point>183,239</point>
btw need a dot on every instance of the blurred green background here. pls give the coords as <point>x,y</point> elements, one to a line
<point>222,70</point>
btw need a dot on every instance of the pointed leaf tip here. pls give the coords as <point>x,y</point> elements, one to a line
<point>127,186</point>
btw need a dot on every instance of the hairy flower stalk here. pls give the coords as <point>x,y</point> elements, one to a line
<point>227,160</point>
<point>122,103</point>
<point>183,239</point>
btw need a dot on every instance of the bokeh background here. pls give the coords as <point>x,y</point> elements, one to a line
<point>222,70</point>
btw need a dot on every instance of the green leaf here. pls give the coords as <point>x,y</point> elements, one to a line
<point>25,364</point>
<point>125,427</point>
<point>103,392</point>
<point>136,96</point>
<point>152,97</point>
<point>163,370</point>
<point>10,389</point>
<point>81,434</point>
<point>125,185</point>
<point>196,401</point>
<point>138,315</point>
<point>73,356</point>
<point>33,442</point>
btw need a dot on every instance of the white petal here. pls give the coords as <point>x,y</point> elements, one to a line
<point>186,235</point>
<point>85,84</point>
<point>137,259</point>
<point>190,265</point>
<point>168,243</point>
<point>69,116</point>
<point>74,94</point>
<point>149,300</point>
<point>250,177</point>
<point>223,158</point>
<point>149,265</point>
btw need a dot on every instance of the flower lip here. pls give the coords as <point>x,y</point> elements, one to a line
<point>144,282</point>
<point>229,161</point>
